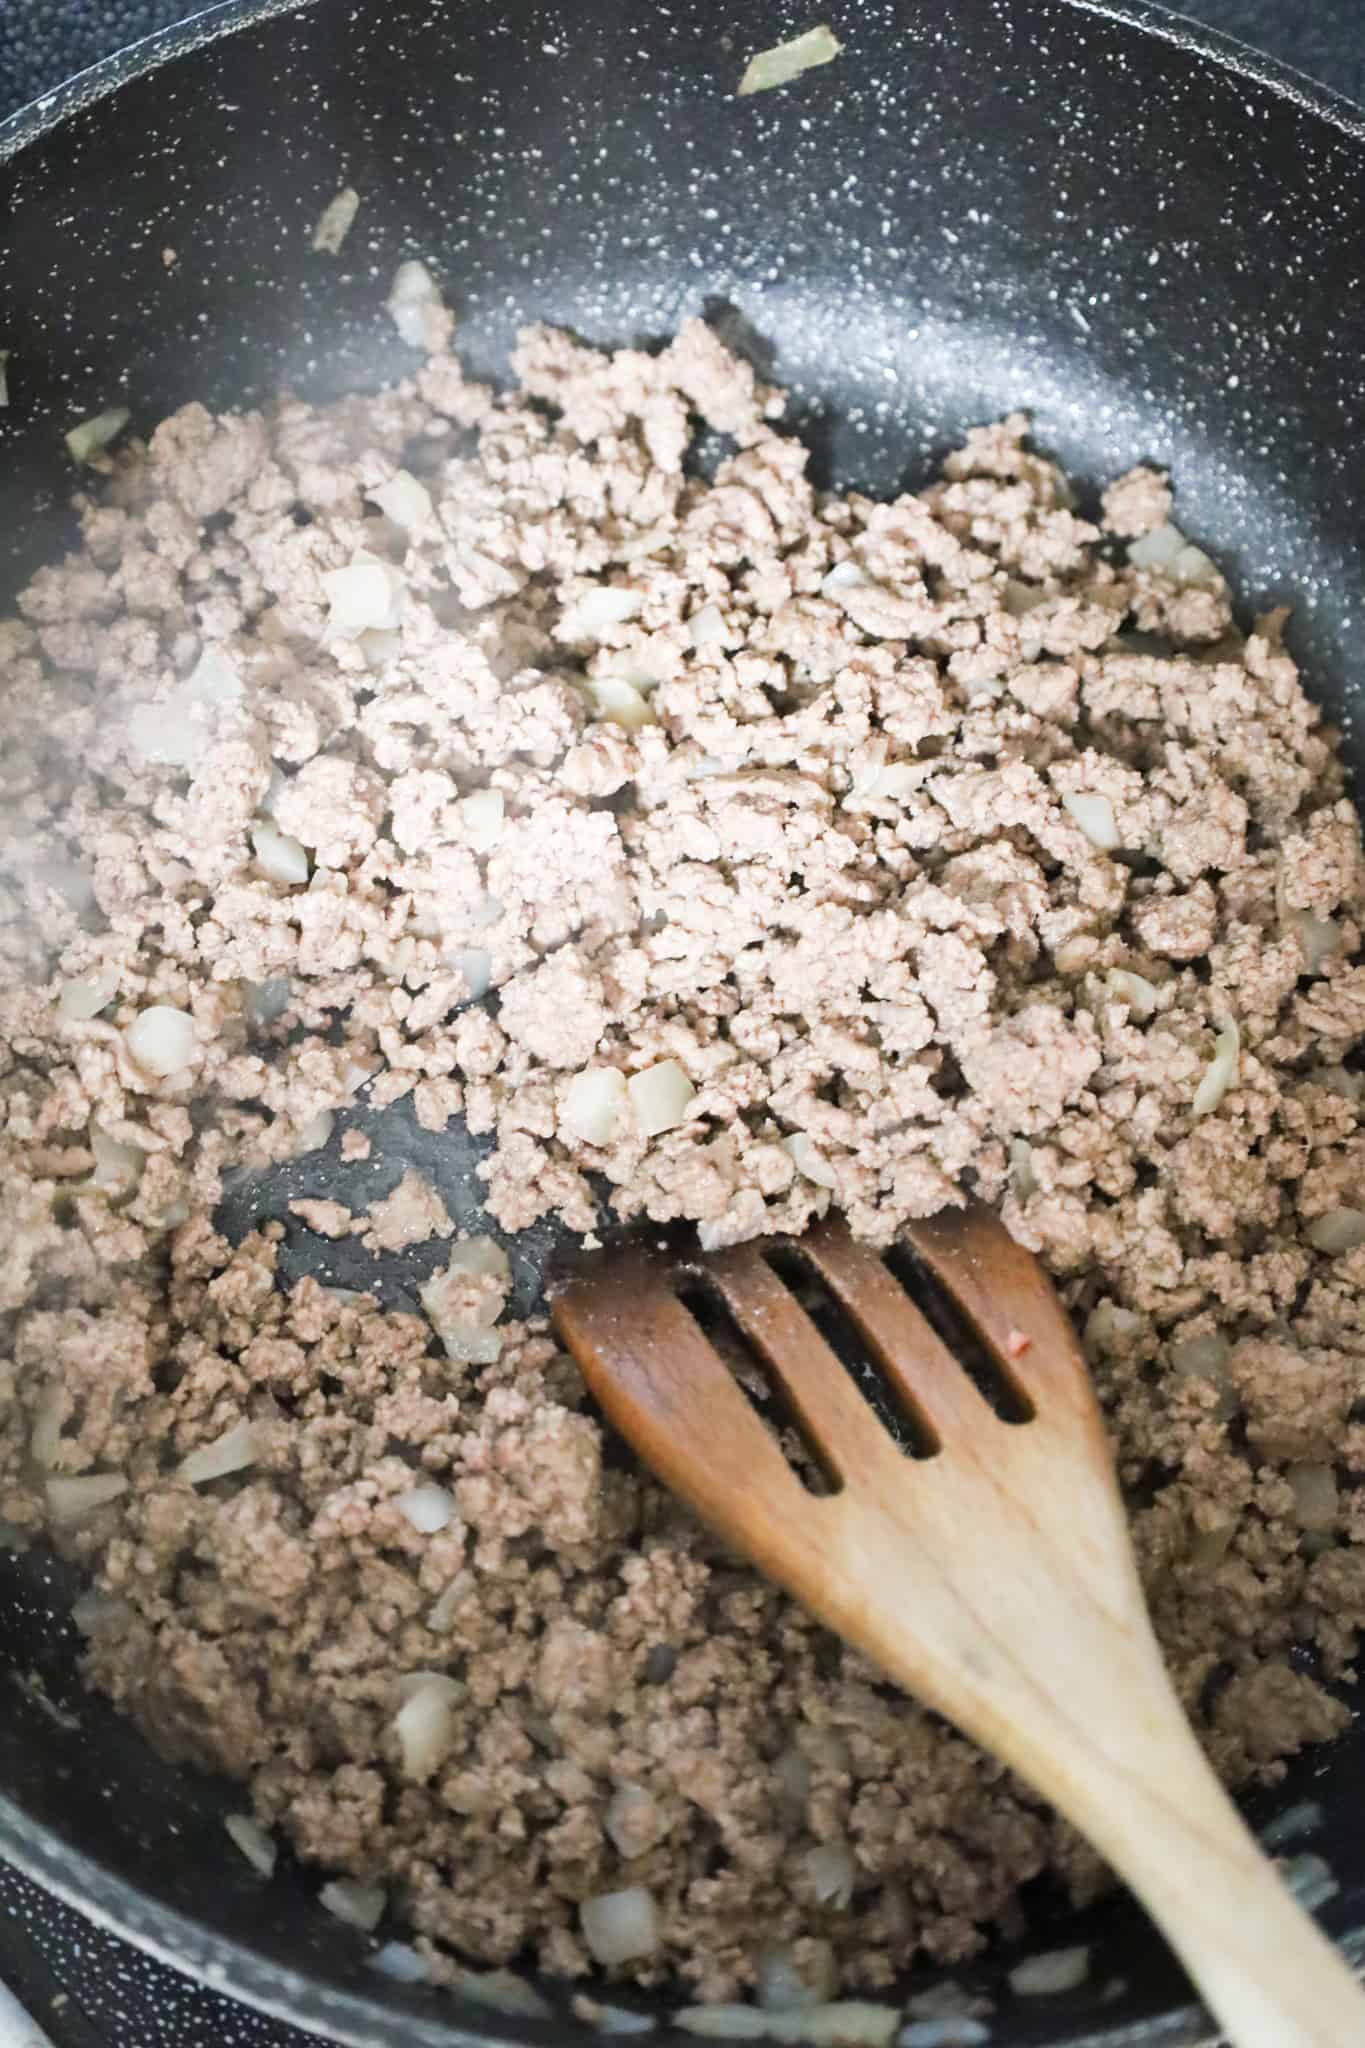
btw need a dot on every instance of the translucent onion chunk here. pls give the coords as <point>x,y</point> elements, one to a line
<point>659,1097</point>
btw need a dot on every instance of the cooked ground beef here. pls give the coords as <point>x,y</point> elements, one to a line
<point>457,747</point>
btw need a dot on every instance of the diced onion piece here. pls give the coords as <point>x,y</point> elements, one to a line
<point>659,1097</point>
<point>645,665</point>
<point>1107,1326</point>
<point>234,1451</point>
<point>379,647</point>
<point>503,1991</point>
<point>93,1610</point>
<point>45,1436</point>
<point>68,1499</point>
<point>1340,1230</point>
<point>1319,938</point>
<point>620,702</point>
<point>251,1838</point>
<point>595,1105</point>
<point>830,1871</point>
<point>469,1335</point>
<point>707,626</point>
<point>165,734</point>
<point>5,354</point>
<point>779,1988</point>
<point>632,1820</point>
<point>845,575</point>
<point>482,817</point>
<point>782,1987</point>
<point>596,610</point>
<point>847,2023</point>
<point>212,680</point>
<point>161,1040</point>
<point>404,499</point>
<point>1166,550</point>
<point>1022,1178</point>
<point>416,307</point>
<point>1314,1488</point>
<point>1060,1969</point>
<point>400,1961</point>
<point>963,2032</point>
<point>423,1723</point>
<point>612,2019</point>
<point>475,968</point>
<point>482,1256</point>
<point>1310,1879</point>
<point>450,1601</point>
<point>1304,1817</point>
<point>368,593</point>
<point>87,994</point>
<point>725,2022</point>
<point>1221,1073</point>
<point>620,1927</point>
<point>428,1508</point>
<point>1157,549</point>
<point>809,1161</point>
<point>1095,816</point>
<point>794,1782</point>
<point>359,1905</point>
<point>335,221</point>
<point>279,858</point>
<point>1133,989</point>
<point>1207,1358</point>
<point>487,911</point>
<point>471,1346</point>
<point>265,1001</point>
<point>1208,1548</point>
<point>1202,1358</point>
<point>893,781</point>
<point>786,61</point>
<point>315,1132</point>
<point>1193,566</point>
<point>174,732</point>
<point>118,1167</point>
<point>90,436</point>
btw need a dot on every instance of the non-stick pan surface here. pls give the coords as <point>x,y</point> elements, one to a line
<point>1149,239</point>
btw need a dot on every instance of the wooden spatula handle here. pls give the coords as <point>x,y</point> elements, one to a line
<point>1266,1970</point>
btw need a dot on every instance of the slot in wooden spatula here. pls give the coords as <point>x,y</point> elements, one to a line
<point>991,1574</point>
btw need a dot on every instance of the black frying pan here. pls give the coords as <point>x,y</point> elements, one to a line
<point>1153,240</point>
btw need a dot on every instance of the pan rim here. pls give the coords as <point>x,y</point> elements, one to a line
<point>353,2018</point>
<point>35,119</point>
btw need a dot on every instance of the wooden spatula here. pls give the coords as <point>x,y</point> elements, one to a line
<point>991,1574</point>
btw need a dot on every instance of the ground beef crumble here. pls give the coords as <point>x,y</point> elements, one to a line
<point>456,747</point>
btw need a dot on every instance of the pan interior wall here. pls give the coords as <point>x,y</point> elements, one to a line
<point>1012,204</point>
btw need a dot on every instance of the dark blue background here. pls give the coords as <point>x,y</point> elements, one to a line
<point>85,1989</point>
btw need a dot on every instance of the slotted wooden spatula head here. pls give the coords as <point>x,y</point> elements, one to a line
<point>890,1535</point>
<point>953,1513</point>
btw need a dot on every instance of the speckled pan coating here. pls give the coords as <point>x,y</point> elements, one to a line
<point>1155,244</point>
